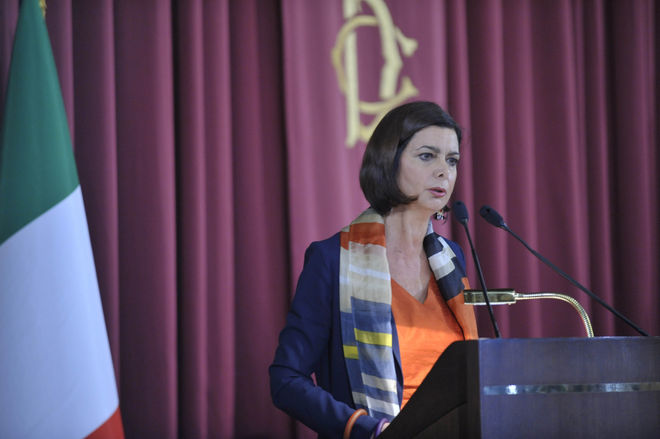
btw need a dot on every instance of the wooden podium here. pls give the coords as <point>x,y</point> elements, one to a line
<point>606,387</point>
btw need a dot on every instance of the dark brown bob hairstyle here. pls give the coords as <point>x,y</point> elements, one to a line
<point>380,164</point>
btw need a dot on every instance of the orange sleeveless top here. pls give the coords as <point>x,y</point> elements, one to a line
<point>424,330</point>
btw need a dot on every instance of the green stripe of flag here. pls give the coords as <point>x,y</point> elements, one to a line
<point>37,168</point>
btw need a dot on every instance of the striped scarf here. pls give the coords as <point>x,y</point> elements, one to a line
<point>365,301</point>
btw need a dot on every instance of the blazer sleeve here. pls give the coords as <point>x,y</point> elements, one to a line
<point>302,343</point>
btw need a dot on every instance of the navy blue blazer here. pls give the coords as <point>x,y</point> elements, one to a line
<point>311,343</point>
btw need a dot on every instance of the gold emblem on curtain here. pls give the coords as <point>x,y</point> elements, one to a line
<point>393,43</point>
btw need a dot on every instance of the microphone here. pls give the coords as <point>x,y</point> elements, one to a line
<point>461,214</point>
<point>494,218</point>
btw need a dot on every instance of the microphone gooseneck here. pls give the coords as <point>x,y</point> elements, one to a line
<point>461,215</point>
<point>494,218</point>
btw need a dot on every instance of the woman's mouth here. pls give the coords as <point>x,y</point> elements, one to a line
<point>438,192</point>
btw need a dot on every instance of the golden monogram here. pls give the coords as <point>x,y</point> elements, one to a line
<point>392,40</point>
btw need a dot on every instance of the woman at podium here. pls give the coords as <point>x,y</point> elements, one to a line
<point>378,302</point>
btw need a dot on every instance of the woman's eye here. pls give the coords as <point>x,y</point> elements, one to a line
<point>453,161</point>
<point>426,156</point>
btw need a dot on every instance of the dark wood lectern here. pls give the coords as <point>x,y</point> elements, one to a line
<point>606,387</point>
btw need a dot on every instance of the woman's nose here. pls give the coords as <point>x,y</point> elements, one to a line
<point>441,171</point>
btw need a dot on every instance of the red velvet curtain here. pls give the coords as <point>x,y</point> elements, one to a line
<point>211,145</point>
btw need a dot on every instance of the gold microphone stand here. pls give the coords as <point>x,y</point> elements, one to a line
<point>509,297</point>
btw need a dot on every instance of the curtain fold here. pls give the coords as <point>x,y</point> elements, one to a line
<point>213,145</point>
<point>192,227</point>
<point>597,124</point>
<point>8,19</point>
<point>261,236</point>
<point>520,129</point>
<point>220,225</point>
<point>147,218</point>
<point>635,203</point>
<point>560,161</point>
<point>96,135</point>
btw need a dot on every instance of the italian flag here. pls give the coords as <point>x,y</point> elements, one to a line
<point>56,373</point>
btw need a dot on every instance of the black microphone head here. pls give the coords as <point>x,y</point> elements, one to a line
<point>491,215</point>
<point>460,212</point>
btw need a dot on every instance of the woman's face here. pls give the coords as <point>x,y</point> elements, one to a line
<point>427,168</point>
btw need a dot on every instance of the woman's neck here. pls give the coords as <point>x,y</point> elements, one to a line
<point>405,229</point>
<point>404,235</point>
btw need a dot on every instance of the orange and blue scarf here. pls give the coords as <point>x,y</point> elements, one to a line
<point>365,302</point>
